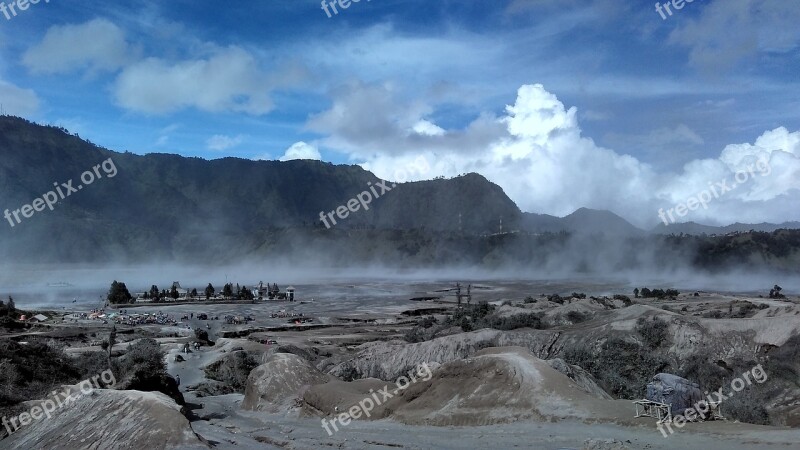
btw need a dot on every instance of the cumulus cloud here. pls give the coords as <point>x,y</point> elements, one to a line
<point>536,152</point>
<point>301,150</point>
<point>97,45</point>
<point>365,119</point>
<point>228,81</point>
<point>220,142</point>
<point>18,101</point>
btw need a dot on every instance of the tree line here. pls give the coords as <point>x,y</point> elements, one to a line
<point>119,294</point>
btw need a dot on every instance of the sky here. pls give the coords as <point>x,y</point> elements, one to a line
<point>687,114</point>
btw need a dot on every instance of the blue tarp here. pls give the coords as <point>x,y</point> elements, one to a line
<point>680,393</point>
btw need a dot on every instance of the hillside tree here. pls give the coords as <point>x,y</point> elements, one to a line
<point>119,293</point>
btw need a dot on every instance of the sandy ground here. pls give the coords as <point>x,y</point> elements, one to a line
<point>370,311</point>
<point>240,430</point>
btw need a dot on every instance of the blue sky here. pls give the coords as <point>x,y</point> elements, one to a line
<point>657,103</point>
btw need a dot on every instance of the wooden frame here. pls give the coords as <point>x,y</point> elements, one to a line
<point>660,411</point>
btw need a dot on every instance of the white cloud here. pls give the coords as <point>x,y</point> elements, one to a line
<point>537,154</point>
<point>365,119</point>
<point>228,81</point>
<point>97,45</point>
<point>426,128</point>
<point>220,142</point>
<point>729,31</point>
<point>301,150</point>
<point>18,101</point>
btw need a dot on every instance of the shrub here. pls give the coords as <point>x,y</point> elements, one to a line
<point>532,320</point>
<point>143,359</point>
<point>578,317</point>
<point>350,373</point>
<point>784,362</point>
<point>624,298</point>
<point>747,309</point>
<point>700,369</point>
<point>91,364</point>
<point>414,335</point>
<point>233,370</point>
<point>713,314</point>
<point>747,406</point>
<point>654,332</point>
<point>466,324</point>
<point>623,368</point>
<point>32,371</point>
<point>428,322</point>
<point>480,345</point>
<point>10,324</point>
<point>482,315</point>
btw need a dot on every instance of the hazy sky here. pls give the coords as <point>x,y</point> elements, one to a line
<point>563,103</point>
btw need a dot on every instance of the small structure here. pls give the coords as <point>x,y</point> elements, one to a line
<point>658,410</point>
<point>669,396</point>
<point>38,318</point>
<point>290,293</point>
<point>182,293</point>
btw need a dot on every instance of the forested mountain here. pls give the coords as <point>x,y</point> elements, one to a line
<point>169,207</point>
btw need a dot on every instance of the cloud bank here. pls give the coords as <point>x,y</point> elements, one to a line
<point>537,153</point>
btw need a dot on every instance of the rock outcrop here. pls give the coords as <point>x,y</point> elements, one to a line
<point>389,360</point>
<point>278,384</point>
<point>496,385</point>
<point>108,419</point>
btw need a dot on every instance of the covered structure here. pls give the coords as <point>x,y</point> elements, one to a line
<point>679,393</point>
<point>668,396</point>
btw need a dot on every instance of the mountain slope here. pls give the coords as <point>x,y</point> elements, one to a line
<point>162,205</point>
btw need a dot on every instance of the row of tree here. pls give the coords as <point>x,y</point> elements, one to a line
<point>119,294</point>
<point>655,293</point>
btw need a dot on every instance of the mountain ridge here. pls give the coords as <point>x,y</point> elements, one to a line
<point>164,205</point>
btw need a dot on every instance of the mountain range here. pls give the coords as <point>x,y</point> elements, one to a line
<point>169,206</point>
